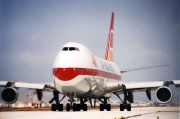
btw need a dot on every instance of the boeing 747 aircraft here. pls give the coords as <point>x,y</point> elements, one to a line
<point>81,76</point>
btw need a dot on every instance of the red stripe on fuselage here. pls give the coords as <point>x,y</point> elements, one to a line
<point>66,74</point>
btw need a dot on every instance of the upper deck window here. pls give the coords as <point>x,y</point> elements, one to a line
<point>70,49</point>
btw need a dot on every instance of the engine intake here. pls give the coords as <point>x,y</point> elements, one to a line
<point>9,95</point>
<point>164,94</point>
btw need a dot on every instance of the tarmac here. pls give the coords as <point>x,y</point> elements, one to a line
<point>135,113</point>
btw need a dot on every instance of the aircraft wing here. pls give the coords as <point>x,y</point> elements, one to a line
<point>33,86</point>
<point>142,68</point>
<point>119,87</point>
<point>163,93</point>
<point>10,94</point>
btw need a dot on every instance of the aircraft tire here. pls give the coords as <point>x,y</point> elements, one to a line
<point>122,107</point>
<point>74,107</point>
<point>85,107</point>
<point>108,107</point>
<point>78,106</point>
<point>68,107</point>
<point>53,107</point>
<point>101,107</point>
<point>128,107</point>
<point>60,107</point>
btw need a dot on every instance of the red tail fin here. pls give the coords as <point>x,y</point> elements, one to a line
<point>109,47</point>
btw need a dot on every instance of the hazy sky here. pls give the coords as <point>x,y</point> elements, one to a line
<point>146,33</point>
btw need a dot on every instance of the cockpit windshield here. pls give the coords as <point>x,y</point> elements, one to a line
<point>65,49</point>
<point>70,49</point>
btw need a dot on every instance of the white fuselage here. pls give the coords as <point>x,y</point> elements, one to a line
<point>78,72</point>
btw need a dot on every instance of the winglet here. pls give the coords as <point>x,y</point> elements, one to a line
<point>109,47</point>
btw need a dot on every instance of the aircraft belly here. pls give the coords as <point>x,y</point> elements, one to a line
<point>76,86</point>
<point>88,87</point>
<point>78,89</point>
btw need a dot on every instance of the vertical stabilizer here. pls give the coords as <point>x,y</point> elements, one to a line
<point>109,47</point>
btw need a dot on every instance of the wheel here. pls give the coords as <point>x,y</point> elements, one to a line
<point>128,107</point>
<point>60,107</point>
<point>53,107</point>
<point>108,107</point>
<point>101,107</point>
<point>74,107</point>
<point>122,107</point>
<point>85,107</point>
<point>78,107</point>
<point>68,107</point>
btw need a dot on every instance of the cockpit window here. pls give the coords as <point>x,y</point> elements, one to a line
<point>70,49</point>
<point>73,48</point>
<point>76,49</point>
<point>65,49</point>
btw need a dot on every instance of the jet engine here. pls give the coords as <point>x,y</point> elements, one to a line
<point>9,95</point>
<point>164,94</point>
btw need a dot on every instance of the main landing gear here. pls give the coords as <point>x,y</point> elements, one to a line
<point>128,96</point>
<point>56,106</point>
<point>125,106</point>
<point>82,105</point>
<point>104,105</point>
<point>74,106</point>
<point>77,107</point>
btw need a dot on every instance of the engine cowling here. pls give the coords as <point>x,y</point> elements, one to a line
<point>164,94</point>
<point>9,95</point>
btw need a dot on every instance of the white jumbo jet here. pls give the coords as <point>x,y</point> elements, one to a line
<point>81,76</point>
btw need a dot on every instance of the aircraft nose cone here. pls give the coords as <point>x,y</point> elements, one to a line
<point>64,74</point>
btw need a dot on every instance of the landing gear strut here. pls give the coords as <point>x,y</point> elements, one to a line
<point>128,96</point>
<point>56,106</point>
<point>104,105</point>
<point>74,106</point>
<point>71,100</point>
